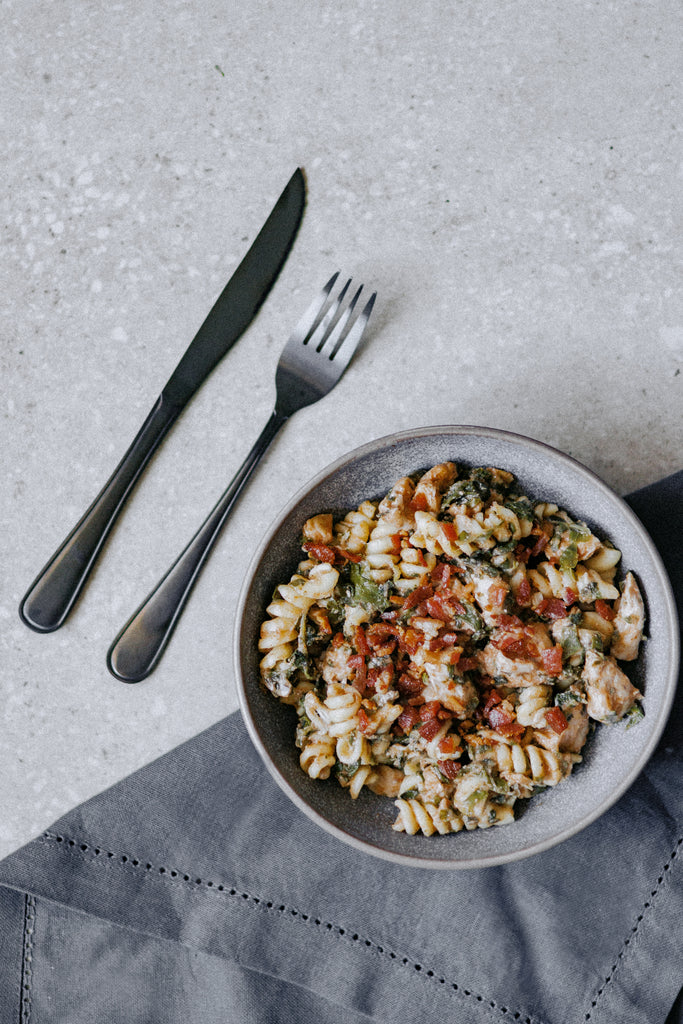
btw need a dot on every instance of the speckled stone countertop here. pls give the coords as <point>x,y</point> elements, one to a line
<point>507,176</point>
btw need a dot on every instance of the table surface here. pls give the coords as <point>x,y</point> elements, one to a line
<point>506,176</point>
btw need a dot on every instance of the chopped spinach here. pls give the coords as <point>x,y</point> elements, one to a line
<point>470,619</point>
<point>567,699</point>
<point>522,508</point>
<point>467,492</point>
<point>365,591</point>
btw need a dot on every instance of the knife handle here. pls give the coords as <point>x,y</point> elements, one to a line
<point>138,647</point>
<point>55,590</point>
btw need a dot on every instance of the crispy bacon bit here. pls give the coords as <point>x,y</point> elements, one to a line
<point>409,685</point>
<point>378,632</point>
<point>395,543</point>
<point>443,639</point>
<point>357,662</point>
<point>449,637</point>
<point>498,593</point>
<point>524,592</point>
<point>428,730</point>
<point>449,531</point>
<point>441,573</point>
<point>522,553</point>
<point>360,642</point>
<point>509,643</point>
<point>504,723</point>
<point>604,610</point>
<point>349,556</point>
<point>552,608</point>
<point>416,597</point>
<point>363,721</point>
<point>569,596</point>
<point>386,674</point>
<point>337,640</point>
<point>556,719</point>
<point>323,552</point>
<point>493,698</point>
<point>328,553</point>
<point>380,677</point>
<point>410,640</point>
<point>408,718</point>
<point>429,710</point>
<point>381,636</point>
<point>390,616</point>
<point>439,607</point>
<point>371,679</point>
<point>552,660</point>
<point>449,768</point>
<point>446,745</point>
<point>545,532</point>
<point>508,620</point>
<point>467,664</point>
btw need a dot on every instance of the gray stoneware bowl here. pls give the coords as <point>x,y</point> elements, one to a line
<point>613,756</point>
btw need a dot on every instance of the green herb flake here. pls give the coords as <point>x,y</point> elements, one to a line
<point>635,715</point>
<point>569,557</point>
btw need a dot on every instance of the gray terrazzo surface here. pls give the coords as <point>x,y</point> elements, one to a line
<point>507,176</point>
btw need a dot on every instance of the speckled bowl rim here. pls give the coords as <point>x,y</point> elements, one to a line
<point>657,724</point>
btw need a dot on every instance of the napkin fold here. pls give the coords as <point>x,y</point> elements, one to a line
<point>194,891</point>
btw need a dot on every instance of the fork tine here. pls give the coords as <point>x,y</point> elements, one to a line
<point>332,342</point>
<point>317,339</point>
<point>343,352</point>
<point>308,320</point>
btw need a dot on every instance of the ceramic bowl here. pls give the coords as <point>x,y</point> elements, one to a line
<point>613,756</point>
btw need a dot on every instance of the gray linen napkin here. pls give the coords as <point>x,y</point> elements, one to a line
<point>193,891</point>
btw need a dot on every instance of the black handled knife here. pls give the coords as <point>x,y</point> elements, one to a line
<point>55,590</point>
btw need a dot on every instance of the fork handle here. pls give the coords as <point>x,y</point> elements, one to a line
<point>55,590</point>
<point>138,647</point>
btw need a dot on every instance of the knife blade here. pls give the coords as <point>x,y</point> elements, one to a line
<point>54,592</point>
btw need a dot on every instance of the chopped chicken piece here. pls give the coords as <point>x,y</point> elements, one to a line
<point>334,664</point>
<point>573,737</point>
<point>585,549</point>
<point>519,670</point>
<point>431,486</point>
<point>490,593</point>
<point>394,510</point>
<point>385,781</point>
<point>629,621</point>
<point>610,693</point>
<point>319,529</point>
<point>457,695</point>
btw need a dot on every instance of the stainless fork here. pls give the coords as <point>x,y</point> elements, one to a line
<point>311,363</point>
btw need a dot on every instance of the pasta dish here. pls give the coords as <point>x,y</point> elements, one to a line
<point>452,646</point>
